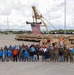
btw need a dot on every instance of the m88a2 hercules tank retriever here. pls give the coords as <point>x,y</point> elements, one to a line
<point>45,39</point>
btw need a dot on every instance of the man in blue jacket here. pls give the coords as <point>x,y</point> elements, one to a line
<point>5,55</point>
<point>10,54</point>
<point>26,54</point>
<point>1,54</point>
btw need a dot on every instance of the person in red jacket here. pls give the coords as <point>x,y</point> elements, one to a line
<point>15,55</point>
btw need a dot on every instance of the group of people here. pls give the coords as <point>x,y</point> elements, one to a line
<point>19,53</point>
<point>34,53</point>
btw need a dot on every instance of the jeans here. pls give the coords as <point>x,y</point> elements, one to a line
<point>61,58</point>
<point>35,58</point>
<point>43,58</point>
<point>31,58</point>
<point>5,58</point>
<point>21,58</point>
<point>26,58</point>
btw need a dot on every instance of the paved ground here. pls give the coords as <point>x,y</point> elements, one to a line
<point>36,68</point>
<point>10,40</point>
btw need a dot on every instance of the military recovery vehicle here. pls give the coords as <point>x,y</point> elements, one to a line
<point>34,37</point>
<point>44,39</point>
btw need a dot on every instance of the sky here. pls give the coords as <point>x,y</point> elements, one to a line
<point>15,13</point>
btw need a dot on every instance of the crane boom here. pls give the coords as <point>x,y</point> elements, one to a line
<point>39,16</point>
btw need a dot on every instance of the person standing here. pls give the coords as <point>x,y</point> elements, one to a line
<point>73,53</point>
<point>5,53</point>
<point>61,54</point>
<point>43,55</point>
<point>31,55</point>
<point>52,54</point>
<point>56,54</point>
<point>1,54</point>
<point>21,55</point>
<point>35,56</point>
<point>10,54</point>
<point>26,54</point>
<point>46,56</point>
<point>66,54</point>
<point>37,50</point>
<point>15,55</point>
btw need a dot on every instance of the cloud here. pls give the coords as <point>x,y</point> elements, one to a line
<point>20,11</point>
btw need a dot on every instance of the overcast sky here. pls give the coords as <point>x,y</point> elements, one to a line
<point>20,11</point>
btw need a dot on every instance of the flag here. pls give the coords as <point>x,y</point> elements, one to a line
<point>35,28</point>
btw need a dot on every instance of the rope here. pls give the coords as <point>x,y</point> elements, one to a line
<point>47,20</point>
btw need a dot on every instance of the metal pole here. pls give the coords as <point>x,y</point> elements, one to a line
<point>65,17</point>
<point>7,24</point>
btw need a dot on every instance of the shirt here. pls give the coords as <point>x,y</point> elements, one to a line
<point>1,53</point>
<point>26,54</point>
<point>9,53</point>
<point>5,53</point>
